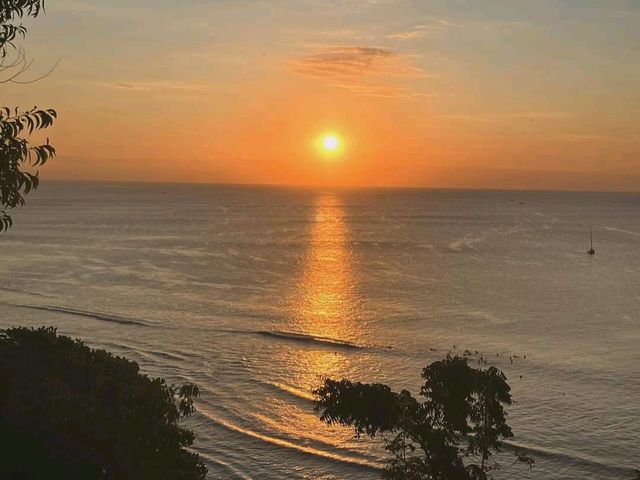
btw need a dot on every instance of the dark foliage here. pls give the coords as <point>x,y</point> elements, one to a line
<point>16,125</point>
<point>16,153</point>
<point>452,435</point>
<point>68,411</point>
<point>10,12</point>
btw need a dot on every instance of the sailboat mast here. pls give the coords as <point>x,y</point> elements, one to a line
<point>591,251</point>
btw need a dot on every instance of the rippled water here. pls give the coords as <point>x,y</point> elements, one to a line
<point>257,293</point>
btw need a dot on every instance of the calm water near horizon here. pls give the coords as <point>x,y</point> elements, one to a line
<point>257,293</point>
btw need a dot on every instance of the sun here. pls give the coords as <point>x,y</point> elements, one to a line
<point>330,143</point>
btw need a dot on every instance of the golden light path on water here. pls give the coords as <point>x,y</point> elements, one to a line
<point>324,308</point>
<point>327,298</point>
<point>325,301</point>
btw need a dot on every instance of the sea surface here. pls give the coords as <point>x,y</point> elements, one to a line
<point>257,293</point>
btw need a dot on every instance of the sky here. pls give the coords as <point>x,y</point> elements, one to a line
<point>426,93</point>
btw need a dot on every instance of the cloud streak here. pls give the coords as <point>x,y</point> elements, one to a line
<point>359,69</point>
<point>414,32</point>
<point>436,26</point>
<point>154,86</point>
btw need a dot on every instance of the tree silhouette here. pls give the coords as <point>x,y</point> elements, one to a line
<point>452,435</point>
<point>67,411</point>
<point>16,125</point>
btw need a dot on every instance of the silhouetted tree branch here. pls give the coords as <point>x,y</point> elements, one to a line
<point>17,155</point>
<point>456,431</point>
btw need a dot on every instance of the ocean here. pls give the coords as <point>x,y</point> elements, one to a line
<point>258,293</point>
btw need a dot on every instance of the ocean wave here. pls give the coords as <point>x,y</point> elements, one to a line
<point>538,453</point>
<point>149,354</point>
<point>292,391</point>
<point>619,230</point>
<point>307,338</point>
<point>230,471</point>
<point>475,314</point>
<point>290,445</point>
<point>4,288</point>
<point>104,317</point>
<point>572,458</point>
<point>467,242</point>
<point>303,338</point>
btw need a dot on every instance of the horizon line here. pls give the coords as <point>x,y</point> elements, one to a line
<point>347,186</point>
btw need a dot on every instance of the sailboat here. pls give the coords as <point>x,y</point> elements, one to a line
<point>591,251</point>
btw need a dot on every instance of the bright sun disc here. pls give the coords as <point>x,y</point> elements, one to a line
<point>330,142</point>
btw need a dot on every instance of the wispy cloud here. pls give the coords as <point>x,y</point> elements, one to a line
<point>432,26</point>
<point>423,29</point>
<point>507,116</point>
<point>355,62</point>
<point>598,137</point>
<point>359,69</point>
<point>379,90</point>
<point>410,34</point>
<point>154,86</point>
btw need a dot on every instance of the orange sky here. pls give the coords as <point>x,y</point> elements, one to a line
<point>495,94</point>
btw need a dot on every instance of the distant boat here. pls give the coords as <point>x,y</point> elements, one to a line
<point>591,251</point>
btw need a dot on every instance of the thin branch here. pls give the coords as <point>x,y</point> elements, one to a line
<point>19,59</point>
<point>51,70</point>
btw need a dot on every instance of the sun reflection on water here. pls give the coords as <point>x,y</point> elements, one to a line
<point>326,302</point>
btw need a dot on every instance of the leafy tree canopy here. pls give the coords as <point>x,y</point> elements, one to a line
<point>452,435</point>
<point>16,125</point>
<point>68,411</point>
